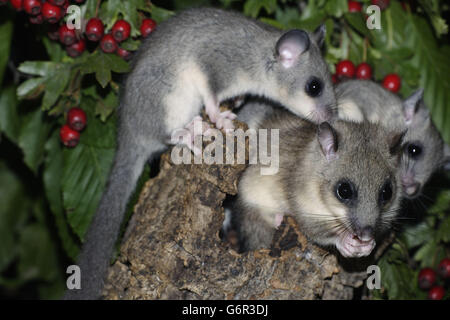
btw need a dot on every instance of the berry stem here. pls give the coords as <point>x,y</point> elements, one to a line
<point>390,29</point>
<point>97,7</point>
<point>365,45</point>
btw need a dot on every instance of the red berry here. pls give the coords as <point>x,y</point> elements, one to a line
<point>108,44</point>
<point>76,49</point>
<point>32,6</point>
<point>36,19</point>
<point>51,13</point>
<point>383,4</point>
<point>57,2</point>
<point>94,29</point>
<point>125,54</point>
<point>443,268</point>
<point>436,293</point>
<point>67,36</point>
<point>354,6</point>
<point>76,119</point>
<point>147,26</point>
<point>427,277</point>
<point>68,136</point>
<point>121,30</point>
<point>392,82</point>
<point>363,71</point>
<point>17,4</point>
<point>345,68</point>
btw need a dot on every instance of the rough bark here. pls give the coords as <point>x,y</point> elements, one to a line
<point>172,248</point>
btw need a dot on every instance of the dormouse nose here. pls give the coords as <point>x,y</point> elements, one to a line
<point>412,189</point>
<point>366,233</point>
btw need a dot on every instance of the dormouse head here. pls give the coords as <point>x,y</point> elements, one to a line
<point>357,180</point>
<point>302,77</point>
<point>423,148</point>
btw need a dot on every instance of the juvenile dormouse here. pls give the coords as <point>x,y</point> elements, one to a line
<point>198,58</point>
<point>423,152</point>
<point>340,180</point>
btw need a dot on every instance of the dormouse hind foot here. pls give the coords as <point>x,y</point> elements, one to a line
<point>222,120</point>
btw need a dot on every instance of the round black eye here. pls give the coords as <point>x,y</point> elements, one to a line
<point>414,150</point>
<point>314,87</point>
<point>386,192</point>
<point>345,191</point>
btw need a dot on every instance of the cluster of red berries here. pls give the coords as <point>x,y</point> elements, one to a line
<point>42,10</point>
<point>428,279</point>
<point>52,11</point>
<point>345,69</point>
<point>70,132</point>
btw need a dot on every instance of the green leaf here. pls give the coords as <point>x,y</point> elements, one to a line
<point>55,77</point>
<point>54,50</point>
<point>13,212</point>
<point>160,14</point>
<point>33,136</point>
<point>54,86</point>
<point>102,64</point>
<point>432,62</point>
<point>86,169</point>
<point>431,8</point>
<point>442,202</point>
<point>356,20</point>
<point>52,176</point>
<point>336,8</point>
<point>443,232</point>
<point>426,253</point>
<point>105,107</point>
<point>89,8</point>
<point>9,118</point>
<point>6,29</point>
<point>31,88</point>
<point>253,7</point>
<point>417,235</point>
<point>130,44</point>
<point>396,279</point>
<point>38,258</point>
<point>37,68</point>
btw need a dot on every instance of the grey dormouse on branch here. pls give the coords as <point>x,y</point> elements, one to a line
<point>339,180</point>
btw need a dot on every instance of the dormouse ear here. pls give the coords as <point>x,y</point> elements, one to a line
<point>291,45</point>
<point>395,142</point>
<point>319,35</point>
<point>328,140</point>
<point>410,106</point>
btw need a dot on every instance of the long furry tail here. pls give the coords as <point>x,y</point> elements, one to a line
<point>102,234</point>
